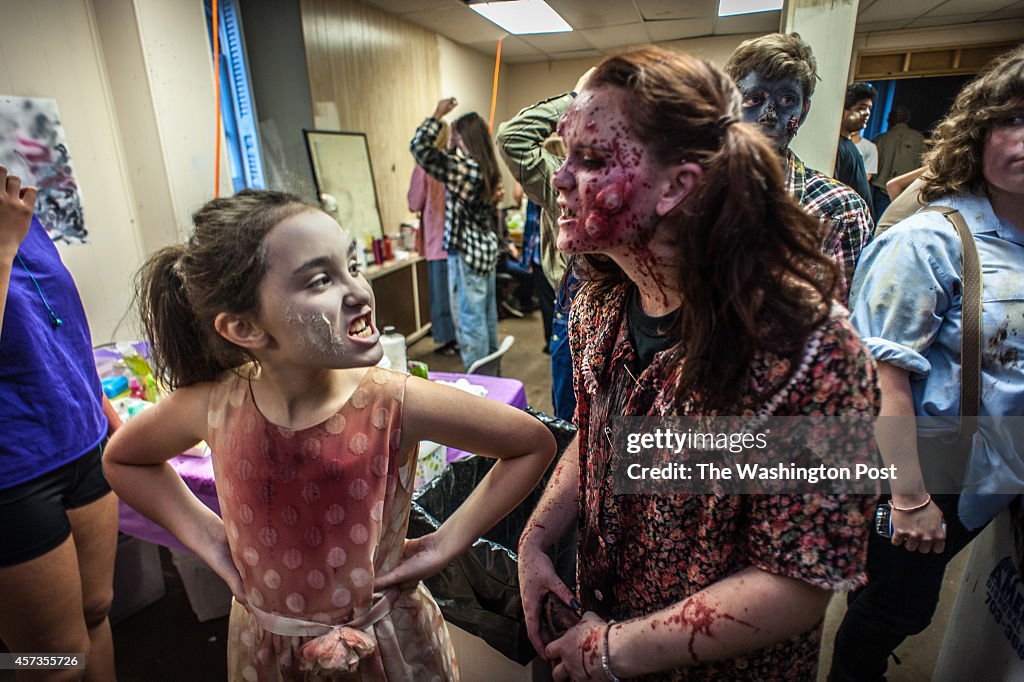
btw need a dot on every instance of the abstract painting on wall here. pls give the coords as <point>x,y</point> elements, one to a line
<point>33,147</point>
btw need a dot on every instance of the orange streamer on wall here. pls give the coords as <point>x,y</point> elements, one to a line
<point>494,90</point>
<point>216,82</point>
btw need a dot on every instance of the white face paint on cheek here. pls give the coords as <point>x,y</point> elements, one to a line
<point>313,332</point>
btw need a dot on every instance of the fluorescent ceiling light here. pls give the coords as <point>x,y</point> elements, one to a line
<point>729,8</point>
<point>522,16</point>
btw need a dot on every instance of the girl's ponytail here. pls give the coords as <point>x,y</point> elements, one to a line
<point>174,332</point>
<point>757,279</point>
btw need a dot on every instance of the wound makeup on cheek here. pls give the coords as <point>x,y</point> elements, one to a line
<point>792,125</point>
<point>596,225</point>
<point>610,199</point>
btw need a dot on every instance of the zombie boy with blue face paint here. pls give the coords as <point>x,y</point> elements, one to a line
<point>776,74</point>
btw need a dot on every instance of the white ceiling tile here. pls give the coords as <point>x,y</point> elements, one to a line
<point>584,14</point>
<point>408,6</point>
<point>557,42</point>
<point>616,36</point>
<point>658,10</point>
<point>929,20</point>
<point>891,10</point>
<point>459,23</point>
<point>579,54</point>
<point>1015,11</point>
<point>962,7</point>
<point>863,6</point>
<point>512,46</point>
<point>871,27</point>
<point>760,22</point>
<point>679,29</point>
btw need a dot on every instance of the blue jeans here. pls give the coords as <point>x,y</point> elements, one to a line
<point>442,327</point>
<point>563,397</point>
<point>474,308</point>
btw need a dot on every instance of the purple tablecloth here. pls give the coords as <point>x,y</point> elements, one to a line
<point>197,472</point>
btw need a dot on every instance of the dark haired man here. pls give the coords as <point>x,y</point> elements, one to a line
<point>776,74</point>
<point>860,98</point>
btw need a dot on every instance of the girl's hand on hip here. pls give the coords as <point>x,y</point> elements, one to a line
<point>217,555</point>
<point>421,558</point>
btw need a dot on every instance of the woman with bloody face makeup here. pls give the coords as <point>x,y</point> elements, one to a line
<point>703,293</point>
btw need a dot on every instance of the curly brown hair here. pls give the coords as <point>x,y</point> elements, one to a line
<point>750,270</point>
<point>955,159</point>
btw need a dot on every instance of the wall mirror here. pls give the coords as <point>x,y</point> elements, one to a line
<point>344,180</point>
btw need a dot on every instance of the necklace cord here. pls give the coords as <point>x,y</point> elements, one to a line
<point>54,320</point>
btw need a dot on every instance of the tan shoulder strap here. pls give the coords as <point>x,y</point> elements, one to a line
<point>971,337</point>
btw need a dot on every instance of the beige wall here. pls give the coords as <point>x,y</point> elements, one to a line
<point>51,49</point>
<point>373,73</point>
<point>468,75</point>
<point>408,68</point>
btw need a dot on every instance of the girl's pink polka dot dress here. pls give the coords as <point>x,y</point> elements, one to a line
<point>311,517</point>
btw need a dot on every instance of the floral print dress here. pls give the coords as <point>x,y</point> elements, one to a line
<point>312,516</point>
<point>642,553</point>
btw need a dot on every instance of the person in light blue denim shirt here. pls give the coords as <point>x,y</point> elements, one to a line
<point>906,302</point>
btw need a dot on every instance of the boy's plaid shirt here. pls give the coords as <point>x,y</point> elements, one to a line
<point>843,214</point>
<point>469,218</point>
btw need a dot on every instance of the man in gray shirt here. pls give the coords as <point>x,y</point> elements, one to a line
<point>899,152</point>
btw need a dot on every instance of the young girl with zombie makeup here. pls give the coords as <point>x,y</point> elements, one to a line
<point>703,293</point>
<point>264,326</point>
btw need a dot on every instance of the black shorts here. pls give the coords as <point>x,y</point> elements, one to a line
<point>33,518</point>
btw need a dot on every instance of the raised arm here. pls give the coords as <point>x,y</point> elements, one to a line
<point>16,204</point>
<point>135,464</point>
<point>897,185</point>
<point>521,443</point>
<point>521,143</point>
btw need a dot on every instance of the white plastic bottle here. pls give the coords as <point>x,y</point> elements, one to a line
<point>394,349</point>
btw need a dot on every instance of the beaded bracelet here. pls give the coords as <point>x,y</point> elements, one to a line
<point>911,509</point>
<point>606,659</point>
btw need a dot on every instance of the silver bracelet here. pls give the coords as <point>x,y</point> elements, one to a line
<point>606,659</point>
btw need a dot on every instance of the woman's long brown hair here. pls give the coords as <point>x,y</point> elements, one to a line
<point>751,272</point>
